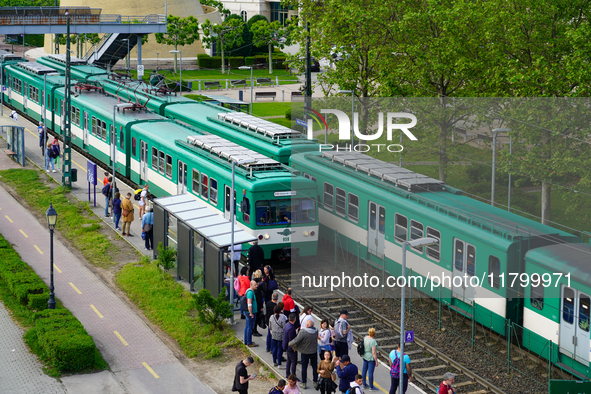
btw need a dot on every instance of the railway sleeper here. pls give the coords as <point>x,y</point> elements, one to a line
<point>422,360</point>
<point>396,338</point>
<point>438,377</point>
<point>467,383</point>
<point>479,392</point>
<point>426,369</point>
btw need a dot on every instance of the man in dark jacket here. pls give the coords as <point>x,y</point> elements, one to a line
<point>241,376</point>
<point>270,307</point>
<point>256,257</point>
<point>306,342</point>
<point>289,333</point>
<point>346,372</point>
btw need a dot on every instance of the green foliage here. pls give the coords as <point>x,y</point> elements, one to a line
<point>236,61</point>
<point>228,34</point>
<point>196,97</point>
<point>245,48</point>
<point>166,257</point>
<point>211,62</point>
<point>172,308</point>
<point>179,32</point>
<point>212,310</point>
<point>256,18</point>
<point>249,61</point>
<point>271,34</point>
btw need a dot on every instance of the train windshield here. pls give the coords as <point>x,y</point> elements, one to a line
<point>286,211</point>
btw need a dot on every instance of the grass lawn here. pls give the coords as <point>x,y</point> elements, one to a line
<point>270,109</point>
<point>234,73</point>
<point>76,221</point>
<point>168,305</point>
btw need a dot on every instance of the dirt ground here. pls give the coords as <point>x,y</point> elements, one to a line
<point>217,373</point>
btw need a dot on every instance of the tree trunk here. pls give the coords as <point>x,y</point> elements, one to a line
<point>270,59</point>
<point>175,58</point>
<point>443,129</point>
<point>546,186</point>
<point>222,48</point>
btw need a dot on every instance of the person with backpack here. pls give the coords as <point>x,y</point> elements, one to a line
<point>395,361</point>
<point>269,310</point>
<point>250,308</point>
<point>356,385</point>
<point>244,284</point>
<point>277,323</point>
<point>346,371</point>
<point>107,193</point>
<point>369,353</point>
<point>55,147</point>
<point>258,277</point>
<point>306,342</point>
<point>147,226</point>
<point>49,158</point>
<point>445,386</point>
<point>41,131</point>
<point>341,331</point>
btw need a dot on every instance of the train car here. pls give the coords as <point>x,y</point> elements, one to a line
<point>557,308</point>
<point>375,206</point>
<point>79,69</point>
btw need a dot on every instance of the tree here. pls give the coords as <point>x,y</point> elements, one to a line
<point>244,48</point>
<point>180,31</point>
<point>252,21</point>
<point>272,34</point>
<point>227,34</point>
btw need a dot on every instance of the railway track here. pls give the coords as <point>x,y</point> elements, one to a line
<point>428,363</point>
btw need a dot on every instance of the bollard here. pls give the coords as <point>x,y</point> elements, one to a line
<point>226,84</point>
<point>276,80</point>
<point>199,85</point>
<point>282,95</point>
<point>241,95</point>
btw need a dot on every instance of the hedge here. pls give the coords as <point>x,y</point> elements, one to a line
<point>21,280</point>
<point>210,62</point>
<point>236,61</point>
<point>249,61</point>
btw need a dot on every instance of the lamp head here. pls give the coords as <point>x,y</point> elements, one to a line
<point>244,68</point>
<point>501,130</point>
<point>423,242</point>
<point>51,216</point>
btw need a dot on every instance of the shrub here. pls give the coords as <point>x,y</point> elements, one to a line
<point>299,113</point>
<point>212,310</point>
<point>236,61</point>
<point>38,302</point>
<point>288,114</point>
<point>213,62</point>
<point>249,61</point>
<point>166,257</point>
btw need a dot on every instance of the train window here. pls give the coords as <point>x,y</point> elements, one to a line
<point>459,255</point>
<point>568,305</point>
<point>245,208</point>
<point>133,146</point>
<point>401,227</point>
<point>537,295</point>
<point>434,251</point>
<point>33,94</point>
<point>196,182</point>
<point>155,159</point>
<point>161,162</point>
<point>494,269</point>
<point>308,176</point>
<point>341,205</point>
<point>328,196</point>
<point>353,207</point>
<point>168,166</point>
<point>213,191</point>
<point>204,186</point>
<point>471,261</point>
<point>16,85</point>
<point>584,304</point>
<point>93,126</point>
<point>416,232</point>
<point>382,223</point>
<point>122,140</point>
<point>285,211</point>
<point>372,216</point>
<point>104,131</point>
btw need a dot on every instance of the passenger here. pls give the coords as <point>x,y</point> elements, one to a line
<point>341,330</point>
<point>236,258</point>
<point>289,333</point>
<point>251,302</point>
<point>107,193</point>
<point>407,376</point>
<point>306,342</point>
<point>370,358</point>
<point>14,115</point>
<point>55,146</point>
<point>127,213</point>
<point>269,282</point>
<point>258,277</point>
<point>323,338</point>
<point>356,385</point>
<point>49,158</point>
<point>346,371</point>
<point>241,376</point>
<point>41,132</point>
<point>326,369</point>
<point>305,316</point>
<point>256,257</point>
<point>277,324</point>
<point>148,227</point>
<point>117,209</point>
<point>292,385</point>
<point>244,285</point>
<point>143,201</point>
<point>270,307</point>
<point>288,301</point>
<point>105,179</point>
<point>445,386</point>
<point>279,388</point>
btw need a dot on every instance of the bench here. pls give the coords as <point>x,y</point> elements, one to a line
<point>296,94</point>
<point>215,84</point>
<point>237,82</point>
<point>9,152</point>
<point>264,80</point>
<point>265,94</point>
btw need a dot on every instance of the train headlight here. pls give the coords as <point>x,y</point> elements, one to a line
<point>267,236</point>
<point>306,233</point>
<point>260,237</point>
<point>312,233</point>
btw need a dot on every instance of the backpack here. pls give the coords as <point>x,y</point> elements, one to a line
<point>138,195</point>
<point>244,302</point>
<point>361,347</point>
<point>106,189</point>
<point>395,367</point>
<point>272,285</point>
<point>236,285</point>
<point>338,332</point>
<point>56,150</point>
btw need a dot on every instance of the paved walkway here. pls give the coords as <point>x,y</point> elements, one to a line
<point>140,362</point>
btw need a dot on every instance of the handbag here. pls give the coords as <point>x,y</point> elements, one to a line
<point>261,321</point>
<point>124,212</point>
<point>143,235</point>
<point>147,227</point>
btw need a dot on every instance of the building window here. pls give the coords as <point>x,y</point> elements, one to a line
<point>196,182</point>
<point>341,205</point>
<point>401,228</point>
<point>278,13</point>
<point>433,251</point>
<point>213,191</point>
<point>353,207</point>
<point>244,15</point>
<point>494,268</point>
<point>328,196</point>
<point>155,159</point>
<point>168,166</point>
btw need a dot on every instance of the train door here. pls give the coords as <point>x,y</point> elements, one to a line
<point>376,229</point>
<point>464,269</point>
<point>85,133</point>
<point>25,92</point>
<point>182,179</point>
<point>574,324</point>
<point>63,114</point>
<point>144,160</point>
<point>228,202</point>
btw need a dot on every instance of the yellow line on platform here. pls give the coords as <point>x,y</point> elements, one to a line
<point>96,310</point>
<point>38,250</point>
<point>83,169</point>
<point>23,233</point>
<point>75,288</point>
<point>58,270</point>
<point>121,338</point>
<point>9,219</point>
<point>151,370</point>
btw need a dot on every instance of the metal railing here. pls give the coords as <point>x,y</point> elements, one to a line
<point>97,46</point>
<point>133,19</point>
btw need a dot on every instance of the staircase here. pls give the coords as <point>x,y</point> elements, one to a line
<point>111,49</point>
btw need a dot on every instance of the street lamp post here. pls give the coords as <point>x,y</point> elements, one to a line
<point>494,160</point>
<point>127,62</point>
<point>251,82</point>
<point>352,113</point>
<point>415,243</point>
<point>116,108</point>
<point>232,219</point>
<point>51,215</point>
<point>180,70</point>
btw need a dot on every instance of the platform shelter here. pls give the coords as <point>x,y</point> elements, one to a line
<point>14,133</point>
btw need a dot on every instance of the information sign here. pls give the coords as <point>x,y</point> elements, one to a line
<point>140,70</point>
<point>409,336</point>
<point>302,123</point>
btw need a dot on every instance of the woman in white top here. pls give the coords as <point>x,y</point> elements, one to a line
<point>323,337</point>
<point>305,316</point>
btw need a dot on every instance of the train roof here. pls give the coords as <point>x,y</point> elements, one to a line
<point>573,258</point>
<point>61,58</point>
<point>9,56</point>
<point>432,195</point>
